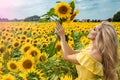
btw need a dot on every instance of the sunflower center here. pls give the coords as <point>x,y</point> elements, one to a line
<point>2,49</point>
<point>23,37</point>
<point>26,48</point>
<point>42,58</point>
<point>28,40</point>
<point>33,53</point>
<point>58,47</point>
<point>9,47</point>
<point>4,37</point>
<point>27,64</point>
<point>25,32</point>
<point>13,66</point>
<point>50,39</point>
<point>35,41</point>
<point>7,79</point>
<point>63,9</point>
<point>44,45</point>
<point>16,44</point>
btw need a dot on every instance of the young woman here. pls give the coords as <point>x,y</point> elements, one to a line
<point>99,60</point>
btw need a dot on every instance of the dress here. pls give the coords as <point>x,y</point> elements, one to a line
<point>89,68</point>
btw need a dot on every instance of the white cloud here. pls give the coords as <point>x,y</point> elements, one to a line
<point>24,8</point>
<point>10,3</point>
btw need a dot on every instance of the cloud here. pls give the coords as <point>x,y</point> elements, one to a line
<point>88,8</point>
<point>18,8</point>
<point>39,7</point>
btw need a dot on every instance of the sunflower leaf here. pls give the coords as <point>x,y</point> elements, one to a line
<point>52,50</point>
<point>72,5</point>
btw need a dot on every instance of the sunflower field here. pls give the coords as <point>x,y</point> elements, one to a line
<point>31,50</point>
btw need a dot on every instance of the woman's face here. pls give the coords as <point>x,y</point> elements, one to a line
<point>92,34</point>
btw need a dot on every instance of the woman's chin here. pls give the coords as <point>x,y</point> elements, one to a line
<point>91,38</point>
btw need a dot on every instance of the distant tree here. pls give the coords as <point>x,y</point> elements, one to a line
<point>76,20</point>
<point>4,19</point>
<point>32,18</point>
<point>109,19</point>
<point>99,20</point>
<point>88,20</point>
<point>92,20</point>
<point>95,20</point>
<point>116,17</point>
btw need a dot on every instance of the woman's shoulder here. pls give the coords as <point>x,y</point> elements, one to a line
<point>95,55</point>
<point>91,53</point>
<point>89,62</point>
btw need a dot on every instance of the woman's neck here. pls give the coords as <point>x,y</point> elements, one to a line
<point>93,45</point>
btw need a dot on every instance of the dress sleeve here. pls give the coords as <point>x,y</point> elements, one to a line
<point>90,63</point>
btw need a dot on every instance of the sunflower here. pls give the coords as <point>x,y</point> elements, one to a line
<point>43,40</point>
<point>63,10</point>
<point>51,38</point>
<point>26,47</point>
<point>44,45</point>
<point>4,38</point>
<point>1,70</point>
<point>34,75</point>
<point>28,40</point>
<point>66,77</point>
<point>8,77</point>
<point>1,41</point>
<point>23,75</point>
<point>85,41</point>
<point>16,43</point>
<point>9,48</point>
<point>0,66</point>
<point>23,37</point>
<point>57,55</point>
<point>24,32</point>
<point>33,52</point>
<point>26,63</point>
<point>35,41</point>
<point>2,48</point>
<point>71,44</point>
<point>42,58</point>
<point>72,16</point>
<point>12,66</point>
<point>11,35</point>
<point>58,46</point>
<point>34,33</point>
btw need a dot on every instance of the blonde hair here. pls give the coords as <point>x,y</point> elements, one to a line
<point>107,46</point>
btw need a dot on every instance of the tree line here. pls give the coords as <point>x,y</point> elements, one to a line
<point>47,18</point>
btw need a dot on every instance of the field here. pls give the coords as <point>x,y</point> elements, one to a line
<point>31,50</point>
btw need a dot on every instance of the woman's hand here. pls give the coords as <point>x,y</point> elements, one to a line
<point>60,30</point>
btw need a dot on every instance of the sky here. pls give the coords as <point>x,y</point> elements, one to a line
<point>89,9</point>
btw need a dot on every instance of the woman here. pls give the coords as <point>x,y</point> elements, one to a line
<point>98,61</point>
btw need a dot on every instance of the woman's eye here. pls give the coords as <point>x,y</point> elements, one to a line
<point>94,29</point>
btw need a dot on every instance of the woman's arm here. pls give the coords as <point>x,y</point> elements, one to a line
<point>68,53</point>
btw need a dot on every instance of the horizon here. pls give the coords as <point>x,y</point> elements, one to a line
<point>89,9</point>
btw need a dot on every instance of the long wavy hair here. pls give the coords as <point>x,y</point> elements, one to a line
<point>107,46</point>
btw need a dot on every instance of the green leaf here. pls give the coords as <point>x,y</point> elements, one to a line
<point>51,48</point>
<point>72,5</point>
<point>76,36</point>
<point>51,12</point>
